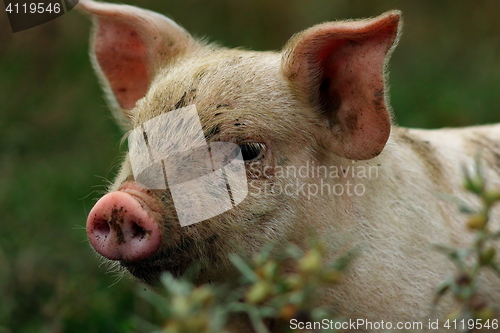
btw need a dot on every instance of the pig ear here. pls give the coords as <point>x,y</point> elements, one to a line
<point>338,69</point>
<point>130,45</point>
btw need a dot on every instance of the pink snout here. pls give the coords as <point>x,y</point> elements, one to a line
<point>119,228</point>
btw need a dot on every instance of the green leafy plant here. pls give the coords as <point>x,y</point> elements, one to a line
<point>266,293</point>
<point>473,260</point>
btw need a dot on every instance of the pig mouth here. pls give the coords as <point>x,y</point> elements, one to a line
<point>175,260</point>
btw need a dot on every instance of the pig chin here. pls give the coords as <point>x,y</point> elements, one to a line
<point>175,260</point>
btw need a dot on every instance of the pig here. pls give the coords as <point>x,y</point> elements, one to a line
<point>314,131</point>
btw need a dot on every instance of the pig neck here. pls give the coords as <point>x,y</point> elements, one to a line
<point>391,191</point>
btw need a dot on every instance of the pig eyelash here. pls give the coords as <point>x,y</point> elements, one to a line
<point>252,150</point>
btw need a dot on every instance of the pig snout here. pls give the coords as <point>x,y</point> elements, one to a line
<point>120,228</point>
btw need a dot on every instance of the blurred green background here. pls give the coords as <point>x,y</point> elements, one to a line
<point>59,144</point>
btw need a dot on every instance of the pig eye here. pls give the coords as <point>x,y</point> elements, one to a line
<point>250,151</point>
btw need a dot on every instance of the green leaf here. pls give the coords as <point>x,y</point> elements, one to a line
<point>244,268</point>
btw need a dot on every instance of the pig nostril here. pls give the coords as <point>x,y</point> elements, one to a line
<point>120,228</point>
<point>137,231</point>
<point>101,228</point>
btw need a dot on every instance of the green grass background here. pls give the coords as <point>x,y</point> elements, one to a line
<point>59,144</point>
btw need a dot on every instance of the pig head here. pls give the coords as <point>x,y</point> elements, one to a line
<point>323,95</point>
<point>320,102</point>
